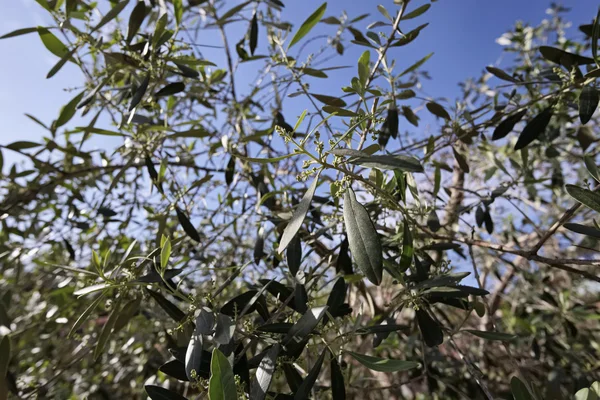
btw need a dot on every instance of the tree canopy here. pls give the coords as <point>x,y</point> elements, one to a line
<point>226,248</point>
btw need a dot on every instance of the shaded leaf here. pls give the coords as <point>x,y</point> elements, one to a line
<point>430,329</point>
<point>264,374</point>
<point>433,222</point>
<point>106,330</point>
<point>363,238</point>
<point>519,389</point>
<point>170,89</point>
<point>586,197</point>
<point>19,32</point>
<point>417,12</point>
<point>253,34</point>
<point>508,124</point>
<point>171,309</point>
<point>588,102</point>
<point>68,111</point>
<point>175,369</point>
<point>294,255</point>
<point>583,229</point>
<point>505,337</point>
<point>338,388</point>
<point>139,93</point>
<point>329,100</point>
<point>563,58</point>
<point>500,74</point>
<point>437,110</point>
<point>136,19</point>
<point>187,226</point>
<point>160,393</point>
<point>416,65</point>
<point>534,128</point>
<point>111,14</point>
<point>383,364</point>
<point>387,162</point>
<point>308,382</point>
<point>304,326</point>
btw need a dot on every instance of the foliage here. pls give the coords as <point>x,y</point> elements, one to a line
<point>222,250</point>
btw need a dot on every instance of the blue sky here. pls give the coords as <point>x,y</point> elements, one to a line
<point>461,33</point>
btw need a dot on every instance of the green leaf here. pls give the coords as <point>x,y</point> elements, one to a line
<point>111,14</point>
<point>519,390</point>
<point>415,13</point>
<point>314,72</point>
<point>160,393</point>
<point>498,73</point>
<point>68,111</point>
<point>264,374</point>
<point>583,229</point>
<point>127,312</point>
<point>329,100</point>
<point>84,316</point>
<point>159,29</point>
<point>265,160</point>
<point>294,254</point>
<point>408,249</point>
<point>438,110</point>
<point>308,24</point>
<point>307,384</point>
<point>61,63</point>
<point>588,103</point>
<point>416,65</point>
<point>253,34</point>
<point>504,337</point>
<point>461,160</point>
<point>19,32</point>
<point>170,89</point>
<point>340,112</point>
<point>136,19</point>
<point>165,253</point>
<point>222,383</point>
<point>178,10</point>
<point>508,124</point>
<point>389,162</point>
<point>232,12</point>
<point>187,226</point>
<point>139,93</point>
<point>107,330</point>
<point>363,238</point>
<point>198,133</point>
<point>430,330</point>
<point>22,145</point>
<point>5,358</point>
<point>534,128</point>
<point>383,364</point>
<point>363,67</point>
<point>90,289</point>
<point>592,168</point>
<point>586,197</point>
<point>304,326</point>
<point>171,309</point>
<point>585,394</point>
<point>338,388</point>
<point>52,43</point>
<point>564,58</point>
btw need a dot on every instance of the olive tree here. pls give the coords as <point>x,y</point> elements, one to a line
<point>226,248</point>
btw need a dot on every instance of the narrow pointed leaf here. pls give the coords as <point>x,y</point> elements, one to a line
<point>298,216</point>
<point>310,23</point>
<point>588,103</point>
<point>389,162</point>
<point>171,89</point>
<point>519,389</point>
<point>160,393</point>
<point>171,309</point>
<point>106,330</point>
<point>305,325</point>
<point>504,337</point>
<point>408,249</point>
<point>500,74</point>
<point>175,369</point>
<point>264,374</point>
<point>19,32</point>
<point>461,160</point>
<point>583,229</point>
<point>338,388</point>
<point>253,34</point>
<point>592,168</point>
<point>430,329</point>
<point>433,222</point>
<point>363,238</point>
<point>193,355</point>
<point>5,358</point>
<point>383,364</point>
<point>586,197</point>
<point>294,254</point>
<point>187,225</point>
<point>61,63</point>
<point>508,124</point>
<point>437,110</point>
<point>68,111</point>
<point>52,43</point>
<point>136,19</point>
<point>111,14</point>
<point>139,93</point>
<point>329,100</point>
<point>303,392</point>
<point>417,12</point>
<point>416,65</point>
<point>178,10</point>
<point>534,128</point>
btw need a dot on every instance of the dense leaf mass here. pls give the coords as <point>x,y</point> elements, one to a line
<point>173,236</point>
